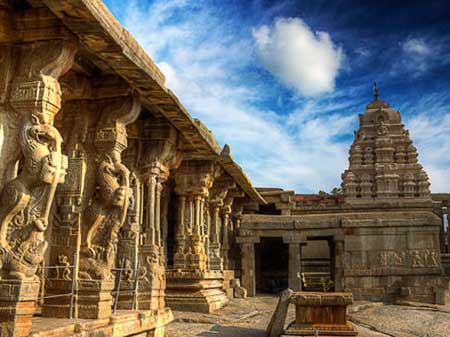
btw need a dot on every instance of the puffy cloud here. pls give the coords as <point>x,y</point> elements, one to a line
<point>305,60</point>
<point>305,147</point>
<point>430,135</point>
<point>416,46</point>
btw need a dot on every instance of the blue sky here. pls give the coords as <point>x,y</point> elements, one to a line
<point>282,82</point>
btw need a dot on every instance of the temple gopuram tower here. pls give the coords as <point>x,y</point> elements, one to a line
<point>383,161</point>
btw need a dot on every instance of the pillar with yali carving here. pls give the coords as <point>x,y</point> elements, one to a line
<point>92,204</point>
<point>31,168</point>
<point>127,261</point>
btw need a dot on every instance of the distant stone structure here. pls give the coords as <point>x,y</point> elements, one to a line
<point>381,239</point>
<point>384,166</point>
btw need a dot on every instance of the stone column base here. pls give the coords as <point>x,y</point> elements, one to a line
<point>151,294</point>
<point>195,291</point>
<point>94,298</point>
<point>17,306</point>
<point>58,307</point>
<point>123,323</point>
<point>126,295</point>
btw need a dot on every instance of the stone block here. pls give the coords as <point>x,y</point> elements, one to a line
<point>324,312</point>
<point>230,293</point>
<point>94,298</point>
<point>17,306</point>
<point>276,324</point>
<point>195,291</point>
<point>57,307</point>
<point>240,292</point>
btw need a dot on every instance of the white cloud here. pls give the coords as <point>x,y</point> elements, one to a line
<point>416,47</point>
<point>430,134</point>
<point>206,66</point>
<point>302,59</point>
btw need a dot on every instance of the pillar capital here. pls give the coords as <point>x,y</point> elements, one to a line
<point>161,147</point>
<point>195,177</point>
<point>295,238</point>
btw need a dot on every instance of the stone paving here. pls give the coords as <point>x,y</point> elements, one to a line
<point>249,318</point>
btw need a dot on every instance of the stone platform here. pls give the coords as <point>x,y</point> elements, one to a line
<point>324,312</point>
<point>122,323</point>
<point>195,291</point>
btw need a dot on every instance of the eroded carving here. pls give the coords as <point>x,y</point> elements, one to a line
<point>26,200</point>
<point>107,213</point>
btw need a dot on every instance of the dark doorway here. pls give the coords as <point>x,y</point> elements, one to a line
<point>271,264</point>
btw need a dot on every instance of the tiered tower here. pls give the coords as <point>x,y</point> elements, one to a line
<point>383,161</point>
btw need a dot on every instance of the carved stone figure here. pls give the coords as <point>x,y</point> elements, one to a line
<point>63,261</point>
<point>26,201</point>
<point>107,213</point>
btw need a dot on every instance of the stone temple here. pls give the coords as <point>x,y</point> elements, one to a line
<point>118,207</point>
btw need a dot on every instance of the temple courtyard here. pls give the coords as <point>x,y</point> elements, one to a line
<point>249,318</point>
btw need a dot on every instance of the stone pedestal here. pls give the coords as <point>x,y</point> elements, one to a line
<point>17,306</point>
<point>126,296</point>
<point>151,293</point>
<point>94,298</point>
<point>58,307</point>
<point>195,291</point>
<point>324,312</point>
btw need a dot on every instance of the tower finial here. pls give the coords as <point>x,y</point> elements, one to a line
<point>376,94</point>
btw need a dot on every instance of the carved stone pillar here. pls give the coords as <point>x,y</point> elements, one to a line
<point>87,104</point>
<point>226,229</point>
<point>216,261</point>
<point>152,282</point>
<point>448,229</point>
<point>222,185</point>
<point>339,263</point>
<point>67,218</point>
<point>127,250</point>
<point>295,242</point>
<point>224,245</point>
<point>248,264</point>
<point>108,209</point>
<point>160,155</point>
<point>196,256</point>
<point>191,285</point>
<point>180,236</point>
<point>295,266</point>
<point>30,97</point>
